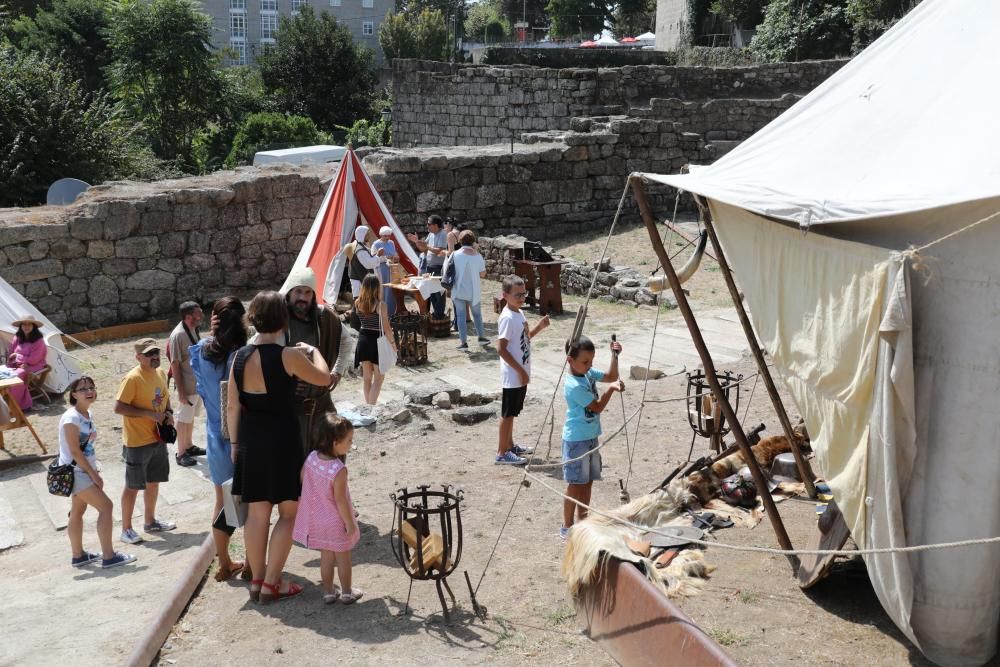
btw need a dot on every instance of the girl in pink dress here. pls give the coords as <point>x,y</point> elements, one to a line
<point>26,355</point>
<point>325,520</point>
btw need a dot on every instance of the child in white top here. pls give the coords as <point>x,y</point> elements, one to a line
<point>77,435</point>
<point>514,346</point>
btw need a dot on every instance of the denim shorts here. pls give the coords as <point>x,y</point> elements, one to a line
<point>583,470</point>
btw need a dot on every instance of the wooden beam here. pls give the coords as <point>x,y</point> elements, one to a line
<point>770,508</point>
<point>786,426</point>
<point>133,329</point>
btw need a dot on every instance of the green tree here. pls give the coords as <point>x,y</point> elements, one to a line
<point>871,18</point>
<point>396,37</point>
<point>315,69</point>
<point>576,17</point>
<point>486,22</point>
<point>430,35</point>
<point>164,71</point>
<point>18,8</point>
<point>744,13</point>
<point>73,30</point>
<point>53,128</point>
<point>803,30</point>
<point>633,17</point>
<point>263,131</point>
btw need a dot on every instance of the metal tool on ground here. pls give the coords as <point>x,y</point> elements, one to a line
<point>623,494</point>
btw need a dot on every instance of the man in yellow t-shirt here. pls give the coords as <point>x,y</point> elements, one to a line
<point>143,402</point>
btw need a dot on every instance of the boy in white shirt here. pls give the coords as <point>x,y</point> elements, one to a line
<point>514,345</point>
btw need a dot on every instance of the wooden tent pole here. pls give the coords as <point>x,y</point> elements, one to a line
<point>770,508</point>
<point>800,462</point>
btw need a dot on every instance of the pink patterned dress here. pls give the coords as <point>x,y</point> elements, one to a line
<point>27,357</point>
<point>318,524</point>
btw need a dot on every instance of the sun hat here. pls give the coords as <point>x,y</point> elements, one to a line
<point>26,318</point>
<point>144,345</point>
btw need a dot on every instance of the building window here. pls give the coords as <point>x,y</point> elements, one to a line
<point>368,28</point>
<point>238,26</point>
<point>239,52</point>
<point>335,3</point>
<point>367,4</point>
<point>240,5</point>
<point>268,26</point>
<point>268,5</point>
<point>299,4</point>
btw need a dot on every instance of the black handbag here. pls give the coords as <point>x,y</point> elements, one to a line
<point>60,478</point>
<point>166,433</point>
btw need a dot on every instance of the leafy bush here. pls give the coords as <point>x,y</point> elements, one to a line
<point>51,128</point>
<point>368,133</point>
<point>486,22</point>
<point>395,36</point>
<point>262,131</point>
<point>803,30</point>
<point>423,35</point>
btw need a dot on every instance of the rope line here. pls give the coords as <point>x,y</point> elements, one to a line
<point>911,251</point>
<point>589,452</point>
<point>778,552</point>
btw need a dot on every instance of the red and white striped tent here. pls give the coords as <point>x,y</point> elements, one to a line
<point>351,193</point>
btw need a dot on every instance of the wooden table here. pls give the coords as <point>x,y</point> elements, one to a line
<point>549,298</point>
<point>20,420</point>
<point>401,291</point>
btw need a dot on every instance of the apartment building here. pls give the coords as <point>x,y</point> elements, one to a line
<point>246,27</point>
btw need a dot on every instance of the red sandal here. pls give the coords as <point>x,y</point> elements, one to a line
<point>273,592</point>
<point>255,594</point>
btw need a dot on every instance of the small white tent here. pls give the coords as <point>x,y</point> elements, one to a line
<point>897,371</point>
<point>12,307</point>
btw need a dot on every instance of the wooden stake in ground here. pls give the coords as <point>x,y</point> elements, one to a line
<point>771,509</point>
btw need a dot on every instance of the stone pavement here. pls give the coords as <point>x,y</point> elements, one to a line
<point>54,614</point>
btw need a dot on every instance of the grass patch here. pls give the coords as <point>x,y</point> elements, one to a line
<point>724,637</point>
<point>561,615</point>
<point>748,597</point>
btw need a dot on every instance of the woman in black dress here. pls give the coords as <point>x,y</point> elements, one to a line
<point>264,434</point>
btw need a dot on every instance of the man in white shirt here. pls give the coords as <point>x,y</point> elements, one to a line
<point>435,249</point>
<point>184,335</point>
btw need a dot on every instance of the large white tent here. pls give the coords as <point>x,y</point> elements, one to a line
<point>13,306</point>
<point>836,218</point>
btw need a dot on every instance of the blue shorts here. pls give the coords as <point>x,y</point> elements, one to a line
<point>582,470</point>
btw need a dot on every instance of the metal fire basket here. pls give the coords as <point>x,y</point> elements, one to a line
<point>410,331</point>
<point>704,413</point>
<point>427,536</point>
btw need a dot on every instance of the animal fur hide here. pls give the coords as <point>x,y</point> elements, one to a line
<point>595,539</point>
<point>706,484</point>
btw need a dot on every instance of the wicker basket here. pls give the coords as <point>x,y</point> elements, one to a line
<point>397,274</point>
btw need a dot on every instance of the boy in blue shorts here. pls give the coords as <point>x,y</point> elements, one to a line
<point>581,461</point>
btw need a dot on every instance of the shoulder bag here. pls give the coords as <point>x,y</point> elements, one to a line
<point>386,355</point>
<point>60,478</point>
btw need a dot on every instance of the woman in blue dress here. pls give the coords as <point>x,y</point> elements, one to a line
<point>211,359</point>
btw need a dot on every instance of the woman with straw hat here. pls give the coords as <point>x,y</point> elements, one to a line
<point>26,355</point>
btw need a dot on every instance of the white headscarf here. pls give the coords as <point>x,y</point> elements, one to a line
<point>361,233</point>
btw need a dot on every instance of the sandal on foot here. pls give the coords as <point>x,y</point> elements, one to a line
<point>247,573</point>
<point>255,594</point>
<point>331,598</point>
<point>352,597</point>
<point>272,592</point>
<point>225,574</point>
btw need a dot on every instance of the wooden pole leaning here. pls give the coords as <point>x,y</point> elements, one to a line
<point>770,508</point>
<point>786,426</point>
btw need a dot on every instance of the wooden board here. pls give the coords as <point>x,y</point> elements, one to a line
<point>119,331</point>
<point>832,533</point>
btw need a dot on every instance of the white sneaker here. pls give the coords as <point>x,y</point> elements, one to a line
<point>129,536</point>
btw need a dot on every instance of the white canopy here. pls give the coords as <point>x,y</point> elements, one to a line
<point>905,127</point>
<point>607,40</point>
<point>298,156</point>
<point>890,356</point>
<point>13,306</point>
<point>646,37</point>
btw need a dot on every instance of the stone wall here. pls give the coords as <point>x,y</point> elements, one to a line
<point>133,252</point>
<point>441,104</point>
<point>614,284</point>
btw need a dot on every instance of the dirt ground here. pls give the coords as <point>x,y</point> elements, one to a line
<point>752,606</point>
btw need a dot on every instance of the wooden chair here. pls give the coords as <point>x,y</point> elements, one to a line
<point>36,385</point>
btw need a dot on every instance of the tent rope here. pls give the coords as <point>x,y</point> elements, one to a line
<point>769,550</point>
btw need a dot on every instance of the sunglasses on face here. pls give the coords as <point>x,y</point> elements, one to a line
<point>154,353</point>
